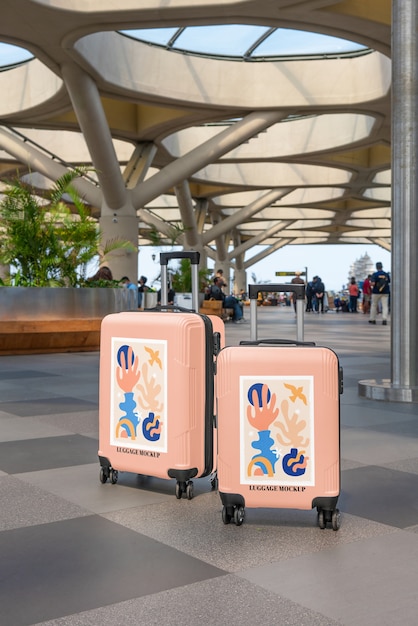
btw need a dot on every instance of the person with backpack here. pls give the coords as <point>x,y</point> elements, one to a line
<point>380,281</point>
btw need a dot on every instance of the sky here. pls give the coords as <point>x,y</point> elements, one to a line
<point>330,262</point>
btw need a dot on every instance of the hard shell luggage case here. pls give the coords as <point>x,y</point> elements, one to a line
<point>156,392</point>
<point>278,410</point>
<point>218,326</point>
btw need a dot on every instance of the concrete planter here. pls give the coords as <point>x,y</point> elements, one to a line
<point>47,303</point>
<point>49,319</point>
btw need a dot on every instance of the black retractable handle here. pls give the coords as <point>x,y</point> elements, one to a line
<point>298,290</point>
<point>194,257</point>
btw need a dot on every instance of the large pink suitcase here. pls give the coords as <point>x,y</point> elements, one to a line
<point>156,413</point>
<point>278,419</point>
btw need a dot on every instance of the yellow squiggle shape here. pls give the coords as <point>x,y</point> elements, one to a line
<point>153,423</point>
<point>127,423</point>
<point>266,462</point>
<point>296,459</point>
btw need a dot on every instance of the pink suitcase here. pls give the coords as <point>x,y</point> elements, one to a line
<point>156,413</point>
<point>278,410</point>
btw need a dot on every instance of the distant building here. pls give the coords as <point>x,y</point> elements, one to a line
<point>361,268</point>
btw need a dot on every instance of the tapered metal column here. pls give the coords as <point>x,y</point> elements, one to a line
<point>403,386</point>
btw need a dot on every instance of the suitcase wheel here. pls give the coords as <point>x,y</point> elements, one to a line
<point>335,519</point>
<point>183,487</point>
<point>113,475</point>
<point>104,475</point>
<point>236,513</point>
<point>331,517</point>
<point>239,515</point>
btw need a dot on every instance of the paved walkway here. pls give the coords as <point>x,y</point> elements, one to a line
<point>76,552</point>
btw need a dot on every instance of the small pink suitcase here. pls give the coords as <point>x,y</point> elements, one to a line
<point>278,409</point>
<point>156,413</point>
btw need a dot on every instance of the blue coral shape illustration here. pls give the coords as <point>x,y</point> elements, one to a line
<point>130,420</point>
<point>294,463</point>
<point>124,350</point>
<point>258,388</point>
<point>267,459</point>
<point>151,427</point>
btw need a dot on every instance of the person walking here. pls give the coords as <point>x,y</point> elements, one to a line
<point>309,297</point>
<point>141,289</point>
<point>297,280</point>
<point>380,282</point>
<point>367,294</point>
<point>353,291</point>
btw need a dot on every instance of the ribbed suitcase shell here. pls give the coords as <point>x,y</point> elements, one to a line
<point>278,426</point>
<point>156,394</point>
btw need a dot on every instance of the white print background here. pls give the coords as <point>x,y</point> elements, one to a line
<point>305,412</point>
<point>153,376</point>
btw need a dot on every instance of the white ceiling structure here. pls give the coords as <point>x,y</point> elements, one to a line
<point>229,152</point>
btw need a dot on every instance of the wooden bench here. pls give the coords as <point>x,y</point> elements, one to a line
<point>47,336</point>
<point>214,307</point>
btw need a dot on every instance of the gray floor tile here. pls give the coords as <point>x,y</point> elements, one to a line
<point>375,448</point>
<point>43,406</point>
<point>381,494</point>
<point>81,422</point>
<point>27,505</point>
<point>266,535</point>
<point>32,455</point>
<point>405,465</point>
<point>17,428</point>
<point>365,583</point>
<point>81,485</point>
<point>84,563</point>
<point>19,374</point>
<point>224,600</point>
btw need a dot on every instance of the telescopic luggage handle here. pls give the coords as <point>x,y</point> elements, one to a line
<point>298,290</point>
<point>194,257</point>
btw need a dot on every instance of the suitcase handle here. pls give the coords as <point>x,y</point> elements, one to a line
<point>298,290</point>
<point>277,342</point>
<point>173,308</point>
<point>193,255</point>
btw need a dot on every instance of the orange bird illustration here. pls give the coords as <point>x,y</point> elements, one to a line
<point>297,393</point>
<point>154,357</point>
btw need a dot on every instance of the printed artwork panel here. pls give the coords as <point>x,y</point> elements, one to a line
<point>138,407</point>
<point>277,430</point>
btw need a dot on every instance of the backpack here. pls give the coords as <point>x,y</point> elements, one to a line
<point>381,282</point>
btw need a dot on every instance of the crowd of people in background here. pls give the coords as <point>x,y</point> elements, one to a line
<point>370,295</point>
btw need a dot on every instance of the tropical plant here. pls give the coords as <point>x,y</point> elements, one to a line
<point>45,242</point>
<point>182,277</point>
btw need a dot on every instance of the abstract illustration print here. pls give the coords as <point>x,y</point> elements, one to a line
<point>138,394</point>
<point>277,430</point>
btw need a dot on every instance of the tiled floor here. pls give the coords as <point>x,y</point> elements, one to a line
<point>76,552</point>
